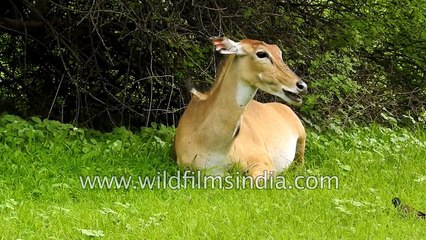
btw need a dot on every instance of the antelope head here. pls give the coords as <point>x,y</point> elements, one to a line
<point>261,65</point>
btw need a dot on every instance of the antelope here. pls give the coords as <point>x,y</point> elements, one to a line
<point>226,127</point>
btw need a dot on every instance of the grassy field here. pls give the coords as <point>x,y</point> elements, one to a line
<point>41,195</point>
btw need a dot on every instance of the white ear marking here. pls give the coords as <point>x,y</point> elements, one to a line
<point>227,46</point>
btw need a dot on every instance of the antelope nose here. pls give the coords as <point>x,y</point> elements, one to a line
<point>301,87</point>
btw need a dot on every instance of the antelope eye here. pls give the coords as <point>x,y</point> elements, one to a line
<point>261,54</point>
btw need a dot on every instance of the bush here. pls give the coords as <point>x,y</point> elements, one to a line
<point>125,63</point>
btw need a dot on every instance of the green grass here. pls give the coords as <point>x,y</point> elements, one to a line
<point>41,196</point>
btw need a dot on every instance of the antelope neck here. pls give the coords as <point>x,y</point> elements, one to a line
<point>229,97</point>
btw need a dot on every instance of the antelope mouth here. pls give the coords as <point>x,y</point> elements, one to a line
<point>293,96</point>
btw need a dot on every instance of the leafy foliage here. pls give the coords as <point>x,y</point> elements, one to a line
<point>125,63</point>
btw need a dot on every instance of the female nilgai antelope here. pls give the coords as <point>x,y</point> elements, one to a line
<point>225,127</point>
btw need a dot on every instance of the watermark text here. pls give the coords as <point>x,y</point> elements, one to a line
<point>198,180</point>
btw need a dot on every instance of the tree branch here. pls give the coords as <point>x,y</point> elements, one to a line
<point>18,26</point>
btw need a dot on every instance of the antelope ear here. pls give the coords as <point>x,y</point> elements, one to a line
<point>227,46</point>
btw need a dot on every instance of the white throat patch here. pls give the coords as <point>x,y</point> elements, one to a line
<point>245,93</point>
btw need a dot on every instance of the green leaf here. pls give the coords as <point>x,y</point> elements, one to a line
<point>36,119</point>
<point>92,233</point>
<point>116,145</point>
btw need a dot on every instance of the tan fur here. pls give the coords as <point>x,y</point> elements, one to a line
<point>270,135</point>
